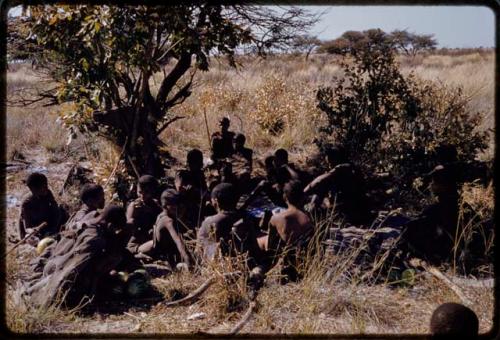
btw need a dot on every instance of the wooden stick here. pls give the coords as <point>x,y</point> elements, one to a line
<point>206,125</point>
<point>37,230</point>
<point>133,166</point>
<point>193,295</point>
<point>246,317</point>
<point>200,290</point>
<point>437,273</point>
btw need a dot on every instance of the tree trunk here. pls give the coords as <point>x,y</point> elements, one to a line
<point>144,157</point>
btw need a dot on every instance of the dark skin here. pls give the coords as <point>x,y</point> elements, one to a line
<point>141,217</point>
<point>39,207</point>
<point>166,239</point>
<point>223,226</point>
<point>286,228</point>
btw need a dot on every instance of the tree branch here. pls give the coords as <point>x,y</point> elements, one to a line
<point>171,79</point>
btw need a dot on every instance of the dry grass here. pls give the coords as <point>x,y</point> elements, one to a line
<point>324,301</point>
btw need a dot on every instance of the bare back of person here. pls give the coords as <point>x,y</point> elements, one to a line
<point>291,225</point>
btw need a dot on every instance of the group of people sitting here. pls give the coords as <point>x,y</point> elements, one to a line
<point>200,218</point>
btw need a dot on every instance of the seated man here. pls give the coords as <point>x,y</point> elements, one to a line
<point>167,239</point>
<point>289,231</point>
<point>84,271</point>
<point>228,229</point>
<point>241,151</point>
<point>281,161</point>
<point>142,213</point>
<point>92,198</point>
<point>222,141</point>
<point>195,170</point>
<point>344,186</point>
<point>38,207</point>
<point>432,234</point>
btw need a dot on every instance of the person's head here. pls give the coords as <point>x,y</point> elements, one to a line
<point>182,181</point>
<point>147,187</point>
<point>92,195</point>
<point>282,175</point>
<point>293,193</point>
<point>224,197</point>
<point>169,201</point>
<point>239,141</point>
<point>113,217</point>
<point>37,183</point>
<point>443,180</point>
<point>335,155</point>
<point>280,157</point>
<point>224,124</point>
<point>269,164</point>
<point>195,160</point>
<point>454,319</point>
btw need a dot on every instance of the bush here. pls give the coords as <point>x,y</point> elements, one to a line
<point>391,123</point>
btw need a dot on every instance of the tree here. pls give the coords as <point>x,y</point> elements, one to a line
<point>104,58</point>
<point>411,43</point>
<point>351,42</point>
<point>305,44</point>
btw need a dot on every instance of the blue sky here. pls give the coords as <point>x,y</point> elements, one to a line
<point>452,26</point>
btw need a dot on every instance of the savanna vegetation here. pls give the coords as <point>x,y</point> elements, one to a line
<point>390,110</point>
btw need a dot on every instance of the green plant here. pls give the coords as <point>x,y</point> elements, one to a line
<point>393,123</point>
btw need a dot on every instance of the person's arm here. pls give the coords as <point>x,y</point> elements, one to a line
<point>294,175</point>
<point>130,214</point>
<point>178,241</point>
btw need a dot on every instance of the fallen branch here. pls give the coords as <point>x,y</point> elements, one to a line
<point>193,295</point>
<point>437,273</point>
<point>246,317</point>
<point>200,290</point>
<point>36,231</point>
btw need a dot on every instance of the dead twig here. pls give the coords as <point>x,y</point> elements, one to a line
<point>193,295</point>
<point>244,320</point>
<point>438,274</point>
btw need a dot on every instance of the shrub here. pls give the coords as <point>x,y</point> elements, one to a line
<point>389,122</point>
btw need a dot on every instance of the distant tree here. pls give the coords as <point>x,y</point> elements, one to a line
<point>305,44</point>
<point>352,42</point>
<point>104,59</point>
<point>411,43</point>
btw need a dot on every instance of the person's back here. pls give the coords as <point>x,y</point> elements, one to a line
<point>289,232</point>
<point>291,225</point>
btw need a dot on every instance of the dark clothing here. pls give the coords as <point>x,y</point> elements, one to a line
<point>433,232</point>
<point>81,272</point>
<point>36,210</point>
<point>222,144</point>
<point>144,218</point>
<point>345,188</point>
